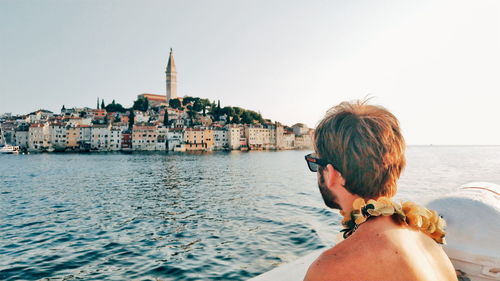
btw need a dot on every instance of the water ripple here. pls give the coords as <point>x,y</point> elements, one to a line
<point>215,216</point>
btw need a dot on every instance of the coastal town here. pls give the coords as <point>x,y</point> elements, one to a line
<point>154,123</point>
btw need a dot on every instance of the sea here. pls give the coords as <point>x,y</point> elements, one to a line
<point>187,216</point>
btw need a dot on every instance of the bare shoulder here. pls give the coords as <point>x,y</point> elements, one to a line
<point>341,262</point>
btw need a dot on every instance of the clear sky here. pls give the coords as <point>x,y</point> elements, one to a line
<point>435,64</point>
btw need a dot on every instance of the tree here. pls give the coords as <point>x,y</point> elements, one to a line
<point>131,118</point>
<point>235,120</point>
<point>197,106</point>
<point>114,107</point>
<point>229,111</point>
<point>102,104</point>
<point>191,113</point>
<point>141,104</point>
<point>97,103</point>
<point>238,110</point>
<point>63,108</point>
<point>175,103</point>
<point>188,100</point>
<point>246,118</point>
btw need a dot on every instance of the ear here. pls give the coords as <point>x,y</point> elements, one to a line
<point>333,177</point>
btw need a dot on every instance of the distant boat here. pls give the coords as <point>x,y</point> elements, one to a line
<point>9,149</point>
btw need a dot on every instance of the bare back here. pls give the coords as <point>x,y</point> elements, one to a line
<point>382,250</point>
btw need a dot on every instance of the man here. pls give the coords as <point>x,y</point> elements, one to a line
<point>360,154</point>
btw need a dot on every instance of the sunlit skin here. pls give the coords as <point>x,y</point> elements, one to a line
<point>380,249</point>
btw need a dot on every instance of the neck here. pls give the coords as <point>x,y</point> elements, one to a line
<point>377,224</point>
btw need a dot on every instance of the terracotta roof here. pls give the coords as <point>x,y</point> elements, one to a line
<point>154,97</point>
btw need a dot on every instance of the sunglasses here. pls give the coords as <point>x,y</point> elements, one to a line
<point>314,163</point>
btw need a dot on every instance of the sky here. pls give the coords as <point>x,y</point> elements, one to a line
<point>434,64</point>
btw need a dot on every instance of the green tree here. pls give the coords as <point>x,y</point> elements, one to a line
<point>188,100</point>
<point>238,110</point>
<point>229,111</point>
<point>246,118</point>
<point>191,113</point>
<point>235,120</point>
<point>115,107</point>
<point>131,117</point>
<point>141,104</point>
<point>197,106</point>
<point>102,104</point>
<point>175,103</point>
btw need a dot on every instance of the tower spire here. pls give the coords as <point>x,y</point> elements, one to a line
<point>171,74</point>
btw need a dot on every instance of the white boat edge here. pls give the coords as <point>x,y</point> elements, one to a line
<point>480,268</point>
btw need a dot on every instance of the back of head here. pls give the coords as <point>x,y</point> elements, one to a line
<point>364,143</point>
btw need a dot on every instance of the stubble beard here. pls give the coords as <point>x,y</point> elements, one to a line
<point>328,197</point>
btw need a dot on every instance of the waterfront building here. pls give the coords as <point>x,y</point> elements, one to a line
<point>36,137</point>
<point>175,138</point>
<point>100,137</point>
<point>171,78</point>
<point>2,138</point>
<point>144,137</point>
<point>220,139</point>
<point>21,137</point>
<point>300,129</point>
<point>233,136</point>
<point>279,136</point>
<point>258,137</point>
<point>57,135</point>
<point>127,140</point>
<point>8,131</point>
<point>84,137</point>
<point>162,137</point>
<point>115,138</point>
<point>198,139</point>
<point>288,140</point>
<point>72,137</point>
<point>303,142</point>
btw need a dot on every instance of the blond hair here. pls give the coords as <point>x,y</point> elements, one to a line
<point>364,143</point>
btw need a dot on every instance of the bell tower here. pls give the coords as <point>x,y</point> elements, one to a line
<point>171,78</point>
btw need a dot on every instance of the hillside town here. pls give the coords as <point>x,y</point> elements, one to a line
<point>154,123</point>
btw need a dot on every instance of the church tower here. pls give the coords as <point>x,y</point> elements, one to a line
<point>171,78</point>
